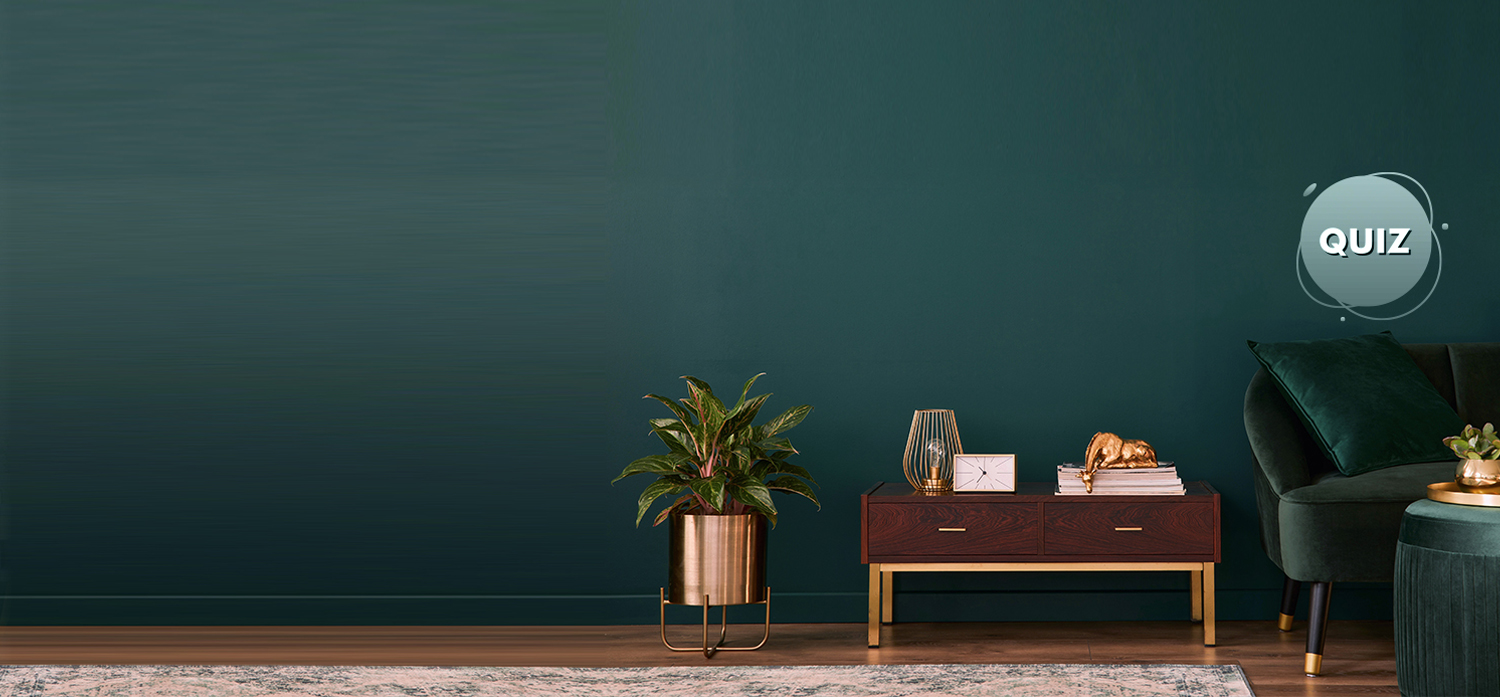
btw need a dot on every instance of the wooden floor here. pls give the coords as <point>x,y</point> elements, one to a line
<point>1360,656</point>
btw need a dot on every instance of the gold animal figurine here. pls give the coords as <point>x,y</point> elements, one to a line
<point>1109,451</point>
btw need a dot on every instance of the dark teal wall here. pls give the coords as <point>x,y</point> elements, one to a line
<point>344,316</point>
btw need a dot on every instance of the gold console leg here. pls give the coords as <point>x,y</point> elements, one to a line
<point>875,583</point>
<point>1209,639</point>
<point>1312,664</point>
<point>887,595</point>
<point>1195,589</point>
<point>709,651</point>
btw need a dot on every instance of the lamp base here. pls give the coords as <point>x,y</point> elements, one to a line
<point>935,486</point>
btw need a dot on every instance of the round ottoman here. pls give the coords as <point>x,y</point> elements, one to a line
<point>1448,600</point>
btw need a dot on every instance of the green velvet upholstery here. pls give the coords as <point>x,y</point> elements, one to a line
<point>1450,527</point>
<point>1320,526</point>
<point>1364,400</point>
<point>1447,600</point>
<point>1478,395</point>
<point>1345,528</point>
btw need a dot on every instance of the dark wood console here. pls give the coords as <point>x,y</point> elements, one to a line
<point>1035,529</point>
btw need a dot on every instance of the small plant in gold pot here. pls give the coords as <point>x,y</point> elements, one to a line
<point>722,468</point>
<point>1480,450</point>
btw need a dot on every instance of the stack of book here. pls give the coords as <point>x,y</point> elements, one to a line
<point>1161,480</point>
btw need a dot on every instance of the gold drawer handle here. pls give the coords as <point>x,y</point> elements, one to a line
<point>1126,529</point>
<point>952,529</point>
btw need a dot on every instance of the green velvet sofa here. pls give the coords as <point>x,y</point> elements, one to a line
<point>1321,527</point>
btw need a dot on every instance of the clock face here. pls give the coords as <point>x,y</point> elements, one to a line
<point>984,472</point>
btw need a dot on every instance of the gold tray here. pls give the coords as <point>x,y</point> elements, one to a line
<point>1448,492</point>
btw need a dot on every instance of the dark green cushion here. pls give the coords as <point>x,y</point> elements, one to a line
<point>1364,400</point>
<point>1452,527</point>
<point>1342,528</point>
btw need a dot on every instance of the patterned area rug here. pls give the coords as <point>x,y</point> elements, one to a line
<point>737,681</point>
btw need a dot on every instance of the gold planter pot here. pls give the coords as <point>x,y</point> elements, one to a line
<point>1479,476</point>
<point>716,560</point>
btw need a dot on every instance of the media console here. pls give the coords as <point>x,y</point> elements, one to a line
<point>1035,529</point>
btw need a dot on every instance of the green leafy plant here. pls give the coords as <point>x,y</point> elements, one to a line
<point>717,459</point>
<point>1476,444</point>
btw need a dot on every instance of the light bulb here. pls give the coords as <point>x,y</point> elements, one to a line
<point>937,456</point>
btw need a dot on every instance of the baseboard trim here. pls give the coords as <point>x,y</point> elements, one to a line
<point>1352,603</point>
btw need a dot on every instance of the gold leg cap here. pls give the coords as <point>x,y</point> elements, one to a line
<point>1313,665</point>
<point>1284,623</point>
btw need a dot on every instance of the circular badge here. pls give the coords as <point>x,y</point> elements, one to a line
<point>1366,242</point>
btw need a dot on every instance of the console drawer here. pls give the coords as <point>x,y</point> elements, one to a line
<point>1108,528</point>
<point>935,529</point>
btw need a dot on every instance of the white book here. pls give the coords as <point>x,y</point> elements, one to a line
<point>1098,487</point>
<point>1128,492</point>
<point>1118,474</point>
<point>1157,475</point>
<point>1123,481</point>
<point>1159,464</point>
<point>1115,483</point>
<point>1160,467</point>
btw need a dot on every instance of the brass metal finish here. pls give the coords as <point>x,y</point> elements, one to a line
<point>1479,476</point>
<point>952,529</point>
<point>1195,589</point>
<point>1312,665</point>
<point>1202,575</point>
<point>935,485</point>
<point>1109,451</point>
<point>716,560</point>
<point>1284,622</point>
<point>1045,566</point>
<point>717,556</point>
<point>929,470</point>
<point>887,596</point>
<point>1127,529</point>
<point>1209,637</point>
<point>1449,492</point>
<point>710,650</point>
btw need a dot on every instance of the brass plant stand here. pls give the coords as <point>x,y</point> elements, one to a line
<point>709,651</point>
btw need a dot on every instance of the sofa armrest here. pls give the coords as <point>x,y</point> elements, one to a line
<point>1280,443</point>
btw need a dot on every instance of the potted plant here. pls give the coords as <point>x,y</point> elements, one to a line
<point>1480,450</point>
<point>723,469</point>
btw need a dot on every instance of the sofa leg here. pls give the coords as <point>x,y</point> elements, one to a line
<point>1317,627</point>
<point>1291,592</point>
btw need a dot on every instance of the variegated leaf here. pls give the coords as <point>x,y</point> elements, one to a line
<point>657,488</point>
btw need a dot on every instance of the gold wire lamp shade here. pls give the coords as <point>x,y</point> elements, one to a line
<point>930,448</point>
